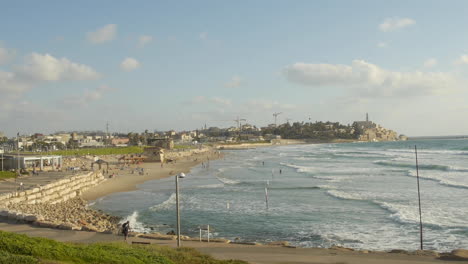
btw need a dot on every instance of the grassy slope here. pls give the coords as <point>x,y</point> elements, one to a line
<point>94,151</point>
<point>6,175</point>
<point>19,249</point>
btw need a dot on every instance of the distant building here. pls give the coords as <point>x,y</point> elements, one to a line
<point>120,141</point>
<point>48,162</point>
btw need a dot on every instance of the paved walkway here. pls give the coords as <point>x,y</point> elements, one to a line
<point>32,181</point>
<point>252,254</point>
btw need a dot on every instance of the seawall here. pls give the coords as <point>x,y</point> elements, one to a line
<point>28,205</point>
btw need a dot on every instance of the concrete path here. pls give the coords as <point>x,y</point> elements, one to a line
<point>11,185</point>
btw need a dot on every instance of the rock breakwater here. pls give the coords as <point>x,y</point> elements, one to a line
<point>57,205</point>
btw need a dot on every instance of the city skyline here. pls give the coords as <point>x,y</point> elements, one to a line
<point>166,65</point>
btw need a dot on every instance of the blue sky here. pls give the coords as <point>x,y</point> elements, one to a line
<point>74,65</point>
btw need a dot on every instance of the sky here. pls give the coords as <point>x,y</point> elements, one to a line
<point>161,65</point>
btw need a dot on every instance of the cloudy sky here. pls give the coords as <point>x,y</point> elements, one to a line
<point>74,65</point>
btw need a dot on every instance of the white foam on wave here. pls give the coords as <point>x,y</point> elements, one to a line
<point>227,181</point>
<point>345,195</point>
<point>166,204</point>
<point>135,225</point>
<point>409,213</point>
<point>211,186</point>
<point>441,178</point>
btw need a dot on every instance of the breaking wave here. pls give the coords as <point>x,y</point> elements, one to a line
<point>166,204</point>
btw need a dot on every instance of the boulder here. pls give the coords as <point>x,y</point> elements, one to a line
<point>66,226</point>
<point>430,253</point>
<point>339,248</point>
<point>158,236</point>
<point>398,251</point>
<point>47,224</point>
<point>33,218</point>
<point>279,243</point>
<point>459,254</point>
<point>89,228</point>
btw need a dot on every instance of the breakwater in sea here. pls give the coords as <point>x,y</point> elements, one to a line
<point>357,195</point>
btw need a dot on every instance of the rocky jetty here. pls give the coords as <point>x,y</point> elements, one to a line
<point>72,214</point>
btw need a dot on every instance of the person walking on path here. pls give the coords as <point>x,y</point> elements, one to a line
<point>125,229</point>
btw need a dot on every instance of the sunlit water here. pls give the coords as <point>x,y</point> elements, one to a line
<point>359,195</point>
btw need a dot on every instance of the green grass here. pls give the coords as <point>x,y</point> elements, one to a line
<point>19,249</point>
<point>6,175</point>
<point>94,151</point>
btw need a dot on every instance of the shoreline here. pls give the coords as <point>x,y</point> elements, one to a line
<point>126,181</point>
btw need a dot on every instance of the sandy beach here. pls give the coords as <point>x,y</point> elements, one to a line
<point>124,180</point>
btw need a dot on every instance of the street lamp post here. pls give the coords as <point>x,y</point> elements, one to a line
<point>181,175</point>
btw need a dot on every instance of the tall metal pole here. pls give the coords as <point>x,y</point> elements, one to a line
<point>17,139</point>
<point>178,213</point>
<point>3,150</point>
<point>419,200</point>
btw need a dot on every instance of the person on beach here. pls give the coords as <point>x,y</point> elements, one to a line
<point>125,229</point>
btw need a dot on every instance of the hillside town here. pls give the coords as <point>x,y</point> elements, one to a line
<point>322,131</point>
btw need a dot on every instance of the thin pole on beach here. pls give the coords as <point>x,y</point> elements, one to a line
<point>178,213</point>
<point>419,199</point>
<point>266,195</point>
<point>180,175</point>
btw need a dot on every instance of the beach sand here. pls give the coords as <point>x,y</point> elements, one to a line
<point>126,181</point>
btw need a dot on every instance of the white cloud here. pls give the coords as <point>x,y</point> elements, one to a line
<point>44,67</point>
<point>395,23</point>
<point>235,81</point>
<point>203,35</point>
<point>144,40</point>
<point>366,79</point>
<point>382,45</point>
<point>129,64</point>
<point>429,63</point>
<point>462,60</point>
<point>102,35</point>
<point>6,54</point>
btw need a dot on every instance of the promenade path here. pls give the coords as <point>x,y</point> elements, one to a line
<point>32,181</point>
<point>252,254</point>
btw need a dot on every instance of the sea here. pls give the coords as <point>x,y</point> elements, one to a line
<point>356,195</point>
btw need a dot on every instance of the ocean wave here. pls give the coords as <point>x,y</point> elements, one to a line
<point>227,181</point>
<point>439,179</point>
<point>437,218</point>
<point>135,225</point>
<point>166,204</point>
<point>296,188</point>
<point>210,186</point>
<point>345,195</point>
<point>421,166</point>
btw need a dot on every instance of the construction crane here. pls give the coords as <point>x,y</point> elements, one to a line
<point>276,115</point>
